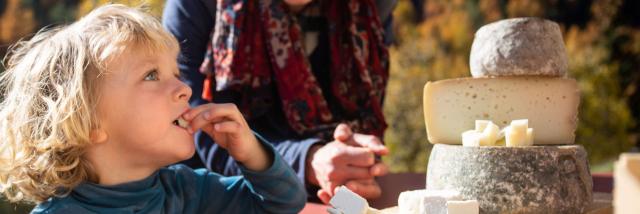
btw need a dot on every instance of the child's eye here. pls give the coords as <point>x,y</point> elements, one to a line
<point>152,75</point>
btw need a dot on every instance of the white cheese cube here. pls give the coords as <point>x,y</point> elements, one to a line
<point>490,134</point>
<point>520,125</point>
<point>471,138</point>
<point>426,201</point>
<point>626,175</point>
<point>516,133</point>
<point>332,210</point>
<point>463,207</point>
<point>481,125</point>
<point>348,202</point>
<point>529,137</point>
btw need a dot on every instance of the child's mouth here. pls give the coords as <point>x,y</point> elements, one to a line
<point>181,122</point>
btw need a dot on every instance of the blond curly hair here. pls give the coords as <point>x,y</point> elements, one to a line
<point>48,98</point>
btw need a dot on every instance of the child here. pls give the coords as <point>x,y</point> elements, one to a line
<point>92,112</point>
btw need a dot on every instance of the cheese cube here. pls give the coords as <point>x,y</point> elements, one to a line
<point>550,103</point>
<point>520,125</point>
<point>626,175</point>
<point>490,134</point>
<point>482,124</point>
<point>348,202</point>
<point>518,134</point>
<point>529,137</point>
<point>485,134</point>
<point>426,201</point>
<point>463,207</point>
<point>471,138</point>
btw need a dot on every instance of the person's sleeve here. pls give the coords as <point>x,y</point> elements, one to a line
<point>292,152</point>
<point>274,190</point>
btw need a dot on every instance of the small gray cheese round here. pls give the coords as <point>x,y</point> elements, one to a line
<point>533,179</point>
<point>519,46</point>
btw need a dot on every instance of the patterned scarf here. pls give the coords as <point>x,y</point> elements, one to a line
<point>258,42</point>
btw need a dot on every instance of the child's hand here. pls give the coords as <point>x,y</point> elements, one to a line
<point>226,125</point>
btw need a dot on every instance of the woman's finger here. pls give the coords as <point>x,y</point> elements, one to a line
<point>372,142</point>
<point>343,133</point>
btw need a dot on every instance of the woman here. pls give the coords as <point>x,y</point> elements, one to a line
<point>309,76</point>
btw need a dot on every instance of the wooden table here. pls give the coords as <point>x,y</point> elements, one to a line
<point>393,184</point>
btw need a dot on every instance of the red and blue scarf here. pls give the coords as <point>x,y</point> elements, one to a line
<point>258,42</point>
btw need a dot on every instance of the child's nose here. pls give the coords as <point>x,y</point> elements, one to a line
<point>183,92</point>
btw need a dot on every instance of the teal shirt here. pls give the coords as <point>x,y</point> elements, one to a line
<point>180,189</point>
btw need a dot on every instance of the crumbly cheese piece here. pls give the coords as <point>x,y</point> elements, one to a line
<point>471,138</point>
<point>463,207</point>
<point>490,134</point>
<point>426,201</point>
<point>519,133</point>
<point>626,175</point>
<point>482,124</point>
<point>183,123</point>
<point>452,106</point>
<point>485,134</point>
<point>347,202</point>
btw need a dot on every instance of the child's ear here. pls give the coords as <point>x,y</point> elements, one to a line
<point>98,136</point>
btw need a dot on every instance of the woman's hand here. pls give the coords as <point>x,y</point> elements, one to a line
<point>228,128</point>
<point>349,160</point>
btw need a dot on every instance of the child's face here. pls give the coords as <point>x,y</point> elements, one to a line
<point>141,97</point>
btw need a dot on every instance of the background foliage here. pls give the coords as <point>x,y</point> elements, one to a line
<point>433,40</point>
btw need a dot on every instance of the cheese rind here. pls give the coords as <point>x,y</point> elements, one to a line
<point>534,179</point>
<point>518,46</point>
<point>551,104</point>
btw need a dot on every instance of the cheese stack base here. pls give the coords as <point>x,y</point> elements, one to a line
<point>533,179</point>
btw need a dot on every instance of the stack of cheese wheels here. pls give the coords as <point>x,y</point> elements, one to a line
<point>519,71</point>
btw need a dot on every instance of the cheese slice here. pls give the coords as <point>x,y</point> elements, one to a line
<point>452,106</point>
<point>626,175</point>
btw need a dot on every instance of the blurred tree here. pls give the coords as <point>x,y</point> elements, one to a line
<point>154,6</point>
<point>16,21</point>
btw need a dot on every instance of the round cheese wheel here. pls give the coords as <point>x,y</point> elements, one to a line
<point>533,179</point>
<point>519,46</point>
